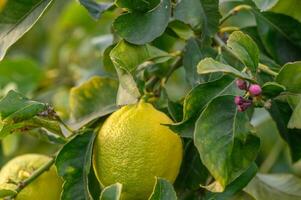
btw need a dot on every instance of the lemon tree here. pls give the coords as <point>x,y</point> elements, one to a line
<point>150,99</point>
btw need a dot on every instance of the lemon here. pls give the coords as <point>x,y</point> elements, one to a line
<point>46,187</point>
<point>133,147</point>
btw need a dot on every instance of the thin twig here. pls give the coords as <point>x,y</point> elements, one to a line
<point>33,177</point>
<point>261,66</point>
<point>233,12</point>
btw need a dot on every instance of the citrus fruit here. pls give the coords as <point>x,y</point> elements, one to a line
<point>133,147</point>
<point>46,187</point>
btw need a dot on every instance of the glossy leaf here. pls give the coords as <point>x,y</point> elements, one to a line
<point>73,164</point>
<point>92,99</point>
<point>200,14</point>
<point>290,77</point>
<point>245,49</point>
<point>112,192</point>
<point>137,5</point>
<point>272,89</point>
<point>209,65</point>
<point>275,186</point>
<point>163,190</point>
<point>223,140</point>
<point>281,36</point>
<point>141,28</point>
<point>16,19</point>
<point>95,9</point>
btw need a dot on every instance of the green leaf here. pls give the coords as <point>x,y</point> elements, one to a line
<point>137,5</point>
<point>290,77</point>
<point>126,58</point>
<point>112,192</point>
<point>223,140</point>
<point>16,19</point>
<point>272,89</point>
<point>129,56</point>
<point>14,107</point>
<point>141,28</point>
<point>74,163</point>
<point>281,36</point>
<point>192,173</point>
<point>200,14</point>
<point>295,121</point>
<point>180,29</point>
<point>196,100</point>
<point>245,49</point>
<point>194,52</point>
<point>275,186</point>
<point>21,115</point>
<point>95,9</point>
<point>209,65</point>
<point>163,190</point>
<point>281,113</point>
<point>288,7</point>
<point>236,186</point>
<point>12,72</point>
<point>92,99</point>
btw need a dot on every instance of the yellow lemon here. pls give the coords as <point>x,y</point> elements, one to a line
<point>45,187</point>
<point>133,147</point>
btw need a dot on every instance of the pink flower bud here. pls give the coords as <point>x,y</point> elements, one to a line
<point>238,100</point>
<point>241,84</point>
<point>255,90</point>
<point>244,105</point>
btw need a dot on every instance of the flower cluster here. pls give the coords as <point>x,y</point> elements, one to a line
<point>252,90</point>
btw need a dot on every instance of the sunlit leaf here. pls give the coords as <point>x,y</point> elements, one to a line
<point>16,19</point>
<point>245,49</point>
<point>92,99</point>
<point>163,190</point>
<point>112,192</point>
<point>209,65</point>
<point>290,77</point>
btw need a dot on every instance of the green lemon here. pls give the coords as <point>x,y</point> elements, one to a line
<point>48,186</point>
<point>133,147</point>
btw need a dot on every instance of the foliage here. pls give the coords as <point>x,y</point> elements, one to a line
<point>66,65</point>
